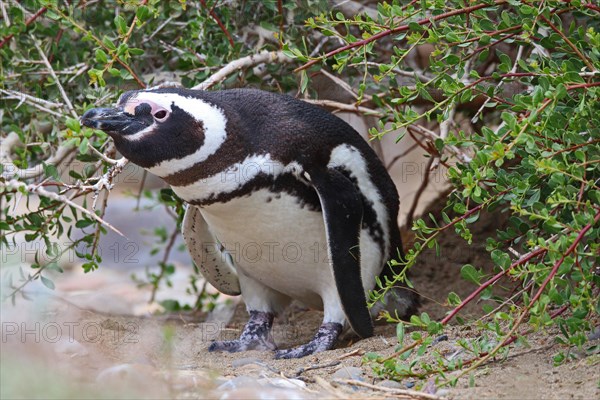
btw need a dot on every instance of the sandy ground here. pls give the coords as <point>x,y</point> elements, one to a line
<point>95,337</point>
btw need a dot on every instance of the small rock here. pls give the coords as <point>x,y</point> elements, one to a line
<point>595,335</point>
<point>71,347</point>
<point>245,361</point>
<point>349,373</point>
<point>129,374</point>
<point>440,338</point>
<point>191,380</point>
<point>264,393</point>
<point>282,383</point>
<point>409,385</point>
<point>239,382</point>
<point>430,387</point>
<point>390,384</point>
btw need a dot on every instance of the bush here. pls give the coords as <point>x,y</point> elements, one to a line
<point>526,75</point>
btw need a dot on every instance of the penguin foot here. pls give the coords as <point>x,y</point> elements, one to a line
<point>255,336</point>
<point>324,340</point>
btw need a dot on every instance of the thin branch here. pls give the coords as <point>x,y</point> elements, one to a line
<point>29,21</point>
<point>340,82</point>
<point>11,170</point>
<point>511,335</point>
<point>412,394</point>
<point>345,107</point>
<point>409,74</point>
<point>501,83</point>
<point>583,58</point>
<point>39,190</point>
<point>263,57</point>
<point>56,80</point>
<point>214,16</point>
<point>401,28</point>
<point>166,255</point>
<point>429,134</point>
<point>420,190</point>
<point>399,156</point>
<point>496,277</point>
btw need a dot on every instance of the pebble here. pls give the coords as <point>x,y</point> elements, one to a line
<point>240,362</point>
<point>239,382</point>
<point>70,347</point>
<point>391,384</point>
<point>282,383</point>
<point>595,335</point>
<point>265,393</point>
<point>440,338</point>
<point>409,385</point>
<point>129,374</point>
<point>349,373</point>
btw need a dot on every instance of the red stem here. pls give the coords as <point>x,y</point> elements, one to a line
<point>398,29</point>
<point>29,21</point>
<point>472,296</point>
<point>562,258</point>
<point>212,13</point>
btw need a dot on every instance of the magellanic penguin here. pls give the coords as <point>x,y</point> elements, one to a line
<point>285,201</point>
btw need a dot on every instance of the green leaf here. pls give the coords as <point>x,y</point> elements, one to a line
<point>73,124</point>
<point>470,273</point>
<point>101,56</point>
<point>47,282</point>
<point>120,24</point>
<point>400,333</point>
<point>83,223</point>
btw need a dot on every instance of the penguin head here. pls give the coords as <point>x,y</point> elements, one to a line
<point>162,130</point>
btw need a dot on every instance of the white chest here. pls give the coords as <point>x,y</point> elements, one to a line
<point>273,239</point>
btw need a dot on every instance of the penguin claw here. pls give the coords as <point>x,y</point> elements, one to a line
<point>255,336</point>
<point>324,340</point>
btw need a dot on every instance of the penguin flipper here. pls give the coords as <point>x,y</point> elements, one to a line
<point>206,252</point>
<point>342,213</point>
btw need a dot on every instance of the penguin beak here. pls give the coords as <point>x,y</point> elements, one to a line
<point>109,120</point>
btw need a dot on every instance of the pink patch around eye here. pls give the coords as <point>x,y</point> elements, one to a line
<point>133,103</point>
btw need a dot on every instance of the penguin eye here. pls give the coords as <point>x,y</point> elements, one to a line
<point>160,115</point>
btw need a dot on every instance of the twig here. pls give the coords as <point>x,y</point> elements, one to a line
<point>214,16</point>
<point>413,394</point>
<point>409,74</point>
<point>429,134</point>
<point>39,190</point>
<point>24,97</point>
<point>501,83</point>
<point>161,275</point>
<point>399,156</point>
<point>29,21</point>
<point>499,275</point>
<point>340,82</point>
<point>160,27</point>
<point>422,187</point>
<point>10,170</point>
<point>401,28</point>
<point>5,14</point>
<point>344,107</point>
<point>510,336</point>
<point>583,58</point>
<point>357,352</point>
<point>241,63</point>
<point>56,80</point>
<point>313,367</point>
<point>103,157</point>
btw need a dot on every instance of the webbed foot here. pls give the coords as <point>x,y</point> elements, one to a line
<point>324,340</point>
<point>255,336</point>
